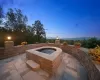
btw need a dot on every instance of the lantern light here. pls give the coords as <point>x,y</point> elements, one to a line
<point>57,37</point>
<point>9,37</point>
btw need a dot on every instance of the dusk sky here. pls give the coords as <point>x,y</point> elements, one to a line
<point>63,18</point>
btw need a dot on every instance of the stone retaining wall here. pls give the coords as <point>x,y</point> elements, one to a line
<point>81,56</point>
<point>1,52</point>
<point>15,50</point>
<point>85,60</point>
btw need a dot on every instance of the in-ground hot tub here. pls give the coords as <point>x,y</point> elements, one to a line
<point>48,57</point>
<point>47,50</point>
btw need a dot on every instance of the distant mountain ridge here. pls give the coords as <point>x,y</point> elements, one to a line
<point>78,38</point>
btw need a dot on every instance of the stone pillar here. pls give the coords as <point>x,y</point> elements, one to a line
<point>9,49</point>
<point>9,44</point>
<point>57,42</point>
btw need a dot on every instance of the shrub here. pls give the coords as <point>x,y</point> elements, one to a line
<point>24,43</point>
<point>95,53</point>
<point>47,41</point>
<point>77,44</point>
<point>65,43</point>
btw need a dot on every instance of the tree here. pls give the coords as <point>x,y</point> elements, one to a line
<point>71,42</point>
<point>29,35</point>
<point>11,19</point>
<point>84,43</point>
<point>21,19</point>
<point>1,14</point>
<point>16,20</point>
<point>92,42</point>
<point>39,31</point>
<point>16,26</point>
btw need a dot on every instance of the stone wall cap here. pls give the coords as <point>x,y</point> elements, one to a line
<point>51,56</point>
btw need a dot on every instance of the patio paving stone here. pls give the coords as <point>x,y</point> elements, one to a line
<point>32,76</point>
<point>15,68</point>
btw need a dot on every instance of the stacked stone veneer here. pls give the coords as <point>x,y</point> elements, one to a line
<point>57,42</point>
<point>2,52</point>
<point>9,44</point>
<point>85,60</point>
<point>15,50</point>
<point>82,57</point>
<point>49,66</point>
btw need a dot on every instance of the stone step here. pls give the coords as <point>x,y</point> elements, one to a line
<point>35,66</point>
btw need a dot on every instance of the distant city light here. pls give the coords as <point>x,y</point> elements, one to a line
<point>9,37</point>
<point>35,32</point>
<point>22,31</point>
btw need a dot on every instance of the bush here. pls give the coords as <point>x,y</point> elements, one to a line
<point>77,44</point>
<point>92,43</point>
<point>65,43</point>
<point>24,43</point>
<point>95,53</point>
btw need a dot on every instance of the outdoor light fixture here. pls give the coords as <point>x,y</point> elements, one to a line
<point>9,37</point>
<point>57,37</point>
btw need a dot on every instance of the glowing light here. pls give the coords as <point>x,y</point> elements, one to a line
<point>22,31</point>
<point>9,37</point>
<point>35,32</point>
<point>57,37</point>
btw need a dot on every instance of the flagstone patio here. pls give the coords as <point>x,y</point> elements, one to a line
<point>15,68</point>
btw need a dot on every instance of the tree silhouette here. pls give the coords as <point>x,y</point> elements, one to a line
<point>16,26</point>
<point>1,14</point>
<point>39,31</point>
<point>16,20</point>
